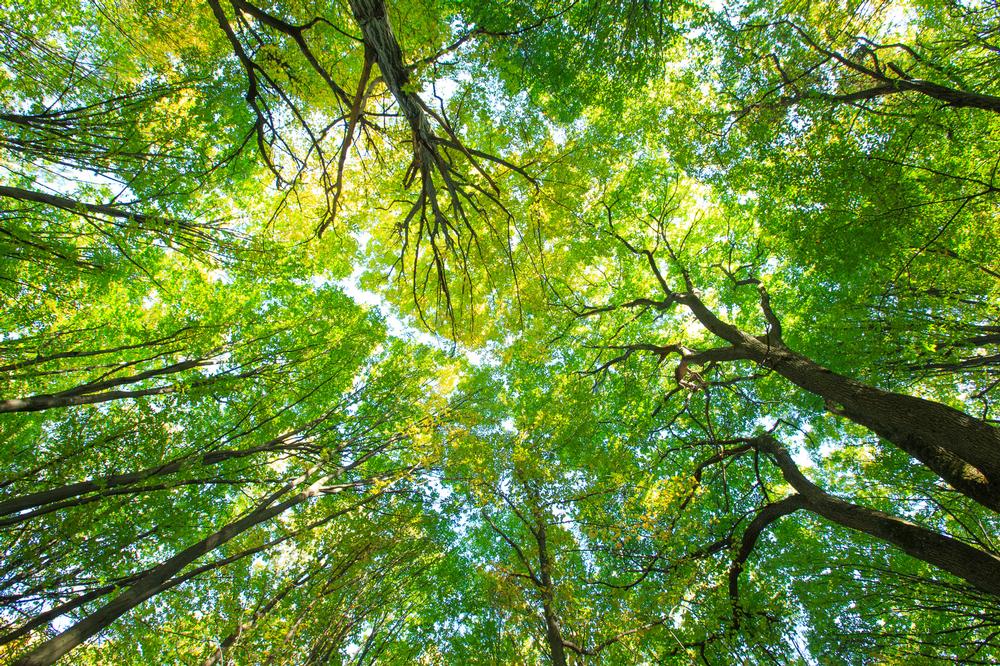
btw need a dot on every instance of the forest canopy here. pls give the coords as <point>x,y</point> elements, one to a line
<point>499,332</point>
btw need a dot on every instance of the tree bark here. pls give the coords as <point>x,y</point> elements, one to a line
<point>962,450</point>
<point>113,481</point>
<point>150,583</point>
<point>79,207</point>
<point>380,39</point>
<point>553,632</point>
<point>372,17</point>
<point>950,96</point>
<point>761,522</point>
<point>88,394</point>
<point>976,567</point>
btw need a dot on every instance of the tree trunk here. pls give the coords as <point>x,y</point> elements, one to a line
<point>553,633</point>
<point>87,394</point>
<point>950,96</point>
<point>79,207</point>
<point>372,17</point>
<point>149,584</point>
<point>976,567</point>
<point>218,654</point>
<point>962,450</point>
<point>70,491</point>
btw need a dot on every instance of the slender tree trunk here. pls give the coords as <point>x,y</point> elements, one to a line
<point>77,207</point>
<point>976,567</point>
<point>149,584</point>
<point>763,520</point>
<point>88,394</point>
<point>226,644</point>
<point>117,481</point>
<point>86,353</point>
<point>553,632</point>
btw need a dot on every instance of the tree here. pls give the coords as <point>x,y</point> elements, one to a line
<point>473,332</point>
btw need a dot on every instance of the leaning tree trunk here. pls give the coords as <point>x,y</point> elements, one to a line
<point>28,506</point>
<point>961,449</point>
<point>151,583</point>
<point>372,17</point>
<point>976,567</point>
<point>96,392</point>
<point>218,655</point>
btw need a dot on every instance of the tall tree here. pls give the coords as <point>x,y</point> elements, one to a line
<point>434,331</point>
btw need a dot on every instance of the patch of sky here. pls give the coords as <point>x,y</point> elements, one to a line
<point>795,442</point>
<point>397,326</point>
<point>437,490</point>
<point>151,300</point>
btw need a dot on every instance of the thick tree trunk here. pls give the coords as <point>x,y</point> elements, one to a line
<point>950,96</point>
<point>553,635</point>
<point>962,450</point>
<point>959,448</point>
<point>372,17</point>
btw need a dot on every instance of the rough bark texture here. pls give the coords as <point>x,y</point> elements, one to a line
<point>950,96</point>
<point>378,35</point>
<point>962,450</point>
<point>978,568</point>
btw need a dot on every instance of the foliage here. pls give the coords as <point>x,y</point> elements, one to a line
<point>454,332</point>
